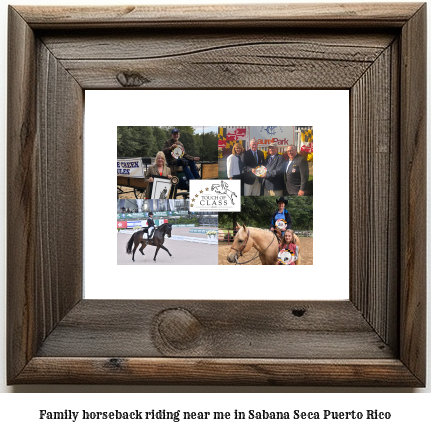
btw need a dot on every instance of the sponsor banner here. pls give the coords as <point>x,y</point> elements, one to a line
<point>131,167</point>
<point>121,224</point>
<point>155,214</point>
<point>235,133</point>
<point>182,225</point>
<point>281,135</point>
<point>136,224</point>
<point>215,195</point>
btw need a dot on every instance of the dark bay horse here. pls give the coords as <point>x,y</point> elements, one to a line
<point>157,240</point>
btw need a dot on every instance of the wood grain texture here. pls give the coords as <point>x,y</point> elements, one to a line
<point>373,195</point>
<point>22,199</point>
<point>59,164</point>
<point>217,371</point>
<point>45,186</point>
<point>413,193</point>
<point>271,59</point>
<point>299,15</point>
<point>227,329</point>
<point>377,338</point>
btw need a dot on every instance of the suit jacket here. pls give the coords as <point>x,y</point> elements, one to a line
<point>152,171</point>
<point>297,175</point>
<point>249,162</point>
<point>274,179</point>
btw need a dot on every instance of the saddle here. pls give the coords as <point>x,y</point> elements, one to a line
<point>277,233</point>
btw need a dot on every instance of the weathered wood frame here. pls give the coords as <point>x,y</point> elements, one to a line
<point>377,338</point>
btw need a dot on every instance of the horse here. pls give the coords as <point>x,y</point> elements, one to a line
<point>264,241</point>
<point>224,190</point>
<point>157,240</point>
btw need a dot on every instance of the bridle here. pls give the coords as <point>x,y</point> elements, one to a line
<point>244,245</point>
<point>257,254</point>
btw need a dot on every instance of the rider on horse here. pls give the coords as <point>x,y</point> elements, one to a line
<point>282,214</point>
<point>150,224</point>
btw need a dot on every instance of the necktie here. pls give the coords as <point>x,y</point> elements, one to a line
<point>255,156</point>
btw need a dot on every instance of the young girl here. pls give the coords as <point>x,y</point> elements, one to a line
<point>290,242</point>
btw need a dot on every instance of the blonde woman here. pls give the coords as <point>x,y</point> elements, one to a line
<point>234,164</point>
<point>158,169</point>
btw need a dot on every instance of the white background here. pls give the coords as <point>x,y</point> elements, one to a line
<point>21,410</point>
<point>105,110</point>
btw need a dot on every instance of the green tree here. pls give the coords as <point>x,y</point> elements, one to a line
<point>257,211</point>
<point>207,144</point>
<point>135,141</point>
<point>161,134</point>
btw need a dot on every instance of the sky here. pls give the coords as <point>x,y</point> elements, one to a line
<point>198,129</point>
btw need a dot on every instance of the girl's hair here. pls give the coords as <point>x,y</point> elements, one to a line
<point>283,240</point>
<point>237,145</point>
<point>160,153</point>
<point>295,240</point>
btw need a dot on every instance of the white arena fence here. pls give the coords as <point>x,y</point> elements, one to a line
<point>213,241</point>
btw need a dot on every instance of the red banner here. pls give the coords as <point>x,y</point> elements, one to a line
<point>236,134</point>
<point>121,224</point>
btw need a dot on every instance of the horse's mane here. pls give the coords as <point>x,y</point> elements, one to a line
<point>261,229</point>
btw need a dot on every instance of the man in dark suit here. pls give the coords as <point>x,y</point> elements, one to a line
<point>273,179</point>
<point>251,159</point>
<point>296,173</point>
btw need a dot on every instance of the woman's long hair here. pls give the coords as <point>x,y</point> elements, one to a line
<point>160,153</point>
<point>295,240</point>
<point>237,145</point>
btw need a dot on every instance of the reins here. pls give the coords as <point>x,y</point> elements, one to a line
<point>257,255</point>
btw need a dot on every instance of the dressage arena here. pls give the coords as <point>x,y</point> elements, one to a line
<point>306,253</point>
<point>183,252</point>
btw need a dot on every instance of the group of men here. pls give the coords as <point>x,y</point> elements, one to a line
<point>280,174</point>
<point>291,175</point>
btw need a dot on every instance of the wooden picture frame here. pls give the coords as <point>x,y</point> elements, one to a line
<point>376,338</point>
<point>164,181</point>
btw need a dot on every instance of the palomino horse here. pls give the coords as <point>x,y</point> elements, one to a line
<point>157,240</point>
<point>264,241</point>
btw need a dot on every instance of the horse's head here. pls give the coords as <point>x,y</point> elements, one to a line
<point>242,243</point>
<point>168,230</point>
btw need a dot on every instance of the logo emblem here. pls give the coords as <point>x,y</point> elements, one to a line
<point>213,195</point>
<point>271,130</point>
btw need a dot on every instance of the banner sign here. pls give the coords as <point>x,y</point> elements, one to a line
<point>136,224</point>
<point>235,133</point>
<point>131,167</point>
<point>215,195</point>
<point>155,214</point>
<point>265,135</point>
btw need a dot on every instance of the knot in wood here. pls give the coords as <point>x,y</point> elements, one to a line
<point>178,329</point>
<point>131,79</point>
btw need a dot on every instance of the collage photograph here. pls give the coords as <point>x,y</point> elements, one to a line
<point>273,165</point>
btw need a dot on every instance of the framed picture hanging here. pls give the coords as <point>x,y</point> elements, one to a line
<point>375,338</point>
